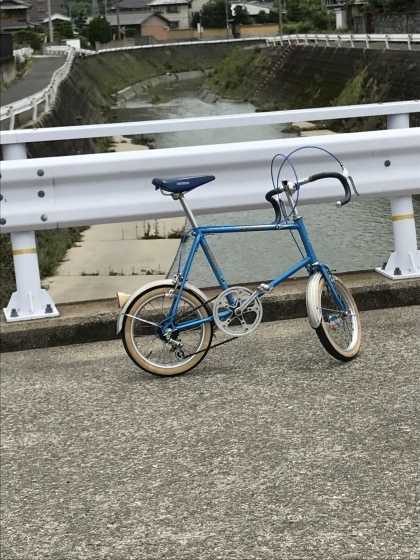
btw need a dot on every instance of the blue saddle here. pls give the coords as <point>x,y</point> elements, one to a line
<point>181,184</point>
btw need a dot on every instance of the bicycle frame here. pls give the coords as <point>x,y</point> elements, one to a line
<point>199,234</point>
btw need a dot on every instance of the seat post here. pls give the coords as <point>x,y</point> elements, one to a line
<point>187,210</point>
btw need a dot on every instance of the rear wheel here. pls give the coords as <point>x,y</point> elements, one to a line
<point>339,331</point>
<point>150,334</point>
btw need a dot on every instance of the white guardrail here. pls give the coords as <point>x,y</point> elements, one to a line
<point>56,192</point>
<point>347,39</point>
<point>42,101</point>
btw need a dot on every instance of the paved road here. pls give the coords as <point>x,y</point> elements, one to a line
<point>37,79</point>
<point>270,449</point>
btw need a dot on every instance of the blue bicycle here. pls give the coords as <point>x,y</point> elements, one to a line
<point>168,326</point>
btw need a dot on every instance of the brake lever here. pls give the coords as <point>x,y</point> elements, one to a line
<point>350,179</point>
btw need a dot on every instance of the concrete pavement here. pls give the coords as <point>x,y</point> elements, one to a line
<point>35,80</point>
<point>269,450</point>
<point>114,257</point>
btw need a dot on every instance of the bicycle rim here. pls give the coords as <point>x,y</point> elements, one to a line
<point>144,339</point>
<point>339,332</point>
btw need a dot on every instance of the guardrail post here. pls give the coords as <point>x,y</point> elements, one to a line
<point>409,42</point>
<point>12,118</point>
<point>404,262</point>
<point>30,301</point>
<point>34,109</point>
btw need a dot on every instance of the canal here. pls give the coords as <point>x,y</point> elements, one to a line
<point>357,237</point>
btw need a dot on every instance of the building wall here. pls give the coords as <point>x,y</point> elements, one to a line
<point>182,17</point>
<point>13,16</point>
<point>387,23</point>
<point>259,30</point>
<point>397,23</point>
<point>154,29</point>
<point>208,34</point>
<point>7,70</point>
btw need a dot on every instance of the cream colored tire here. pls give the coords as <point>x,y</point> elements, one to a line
<point>143,340</point>
<point>339,333</point>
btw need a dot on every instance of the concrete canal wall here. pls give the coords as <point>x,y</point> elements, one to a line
<point>272,78</point>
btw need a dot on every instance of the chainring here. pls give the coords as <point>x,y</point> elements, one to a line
<point>228,316</point>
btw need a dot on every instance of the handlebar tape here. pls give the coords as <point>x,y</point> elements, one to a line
<point>341,178</point>
<point>274,203</point>
<point>330,175</point>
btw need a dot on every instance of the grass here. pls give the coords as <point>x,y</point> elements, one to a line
<point>52,247</point>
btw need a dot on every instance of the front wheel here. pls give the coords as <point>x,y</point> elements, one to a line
<point>339,331</point>
<point>151,337</point>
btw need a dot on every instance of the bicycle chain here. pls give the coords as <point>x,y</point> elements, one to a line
<point>214,345</point>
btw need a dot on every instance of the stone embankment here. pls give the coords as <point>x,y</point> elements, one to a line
<point>274,78</point>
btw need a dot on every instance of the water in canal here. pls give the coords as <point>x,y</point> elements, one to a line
<point>357,237</point>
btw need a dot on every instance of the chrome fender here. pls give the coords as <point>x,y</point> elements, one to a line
<point>312,291</point>
<point>146,288</point>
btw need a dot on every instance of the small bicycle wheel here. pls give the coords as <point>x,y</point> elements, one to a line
<point>339,332</point>
<point>153,345</point>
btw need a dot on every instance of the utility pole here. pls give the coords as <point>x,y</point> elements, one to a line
<point>227,19</point>
<point>280,19</point>
<point>50,25</point>
<point>117,11</point>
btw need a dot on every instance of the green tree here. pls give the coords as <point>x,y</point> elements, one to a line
<point>263,17</point>
<point>27,38</point>
<point>241,16</point>
<point>213,14</point>
<point>310,14</point>
<point>80,22</point>
<point>63,30</point>
<point>99,31</point>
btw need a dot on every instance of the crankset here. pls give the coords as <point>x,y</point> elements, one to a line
<point>237,311</point>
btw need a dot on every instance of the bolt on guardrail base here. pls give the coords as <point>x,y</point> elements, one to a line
<point>25,311</point>
<point>395,270</point>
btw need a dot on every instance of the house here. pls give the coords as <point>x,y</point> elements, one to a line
<point>14,15</point>
<point>340,8</point>
<point>55,19</point>
<point>130,6</point>
<point>177,12</point>
<point>139,24</point>
<point>39,9</point>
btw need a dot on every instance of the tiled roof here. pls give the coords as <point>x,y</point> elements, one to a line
<point>133,18</point>
<point>167,2</point>
<point>14,5</point>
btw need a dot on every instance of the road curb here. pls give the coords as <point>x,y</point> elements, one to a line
<point>95,321</point>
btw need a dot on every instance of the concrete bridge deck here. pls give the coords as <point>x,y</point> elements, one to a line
<point>270,449</point>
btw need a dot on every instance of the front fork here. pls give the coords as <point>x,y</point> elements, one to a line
<point>329,279</point>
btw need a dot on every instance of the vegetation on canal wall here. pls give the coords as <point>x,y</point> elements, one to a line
<point>299,77</point>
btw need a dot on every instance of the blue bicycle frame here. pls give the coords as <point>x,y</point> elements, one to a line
<point>199,234</point>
